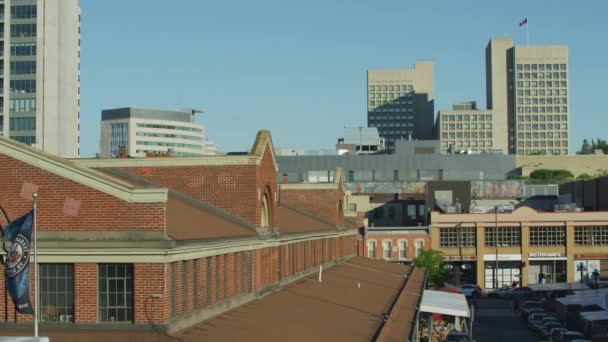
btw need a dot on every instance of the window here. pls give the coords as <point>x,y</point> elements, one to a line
<point>56,292</point>
<point>402,249</point>
<point>23,67</point>
<point>22,124</point>
<point>23,12</point>
<point>115,293</point>
<point>419,247</point>
<point>23,30</point>
<point>23,86</point>
<point>371,249</point>
<point>547,236</point>
<point>591,235</point>
<point>23,49</point>
<point>181,128</point>
<point>450,237</point>
<point>504,237</point>
<point>387,249</point>
<point>119,133</point>
<point>265,221</point>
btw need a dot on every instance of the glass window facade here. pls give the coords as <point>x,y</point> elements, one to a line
<point>591,235</point>
<point>119,136</point>
<point>547,236</point>
<point>503,236</point>
<point>56,292</point>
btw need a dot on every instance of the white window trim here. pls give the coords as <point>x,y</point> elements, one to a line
<point>367,247</point>
<point>384,250</point>
<point>415,244</point>
<point>399,248</point>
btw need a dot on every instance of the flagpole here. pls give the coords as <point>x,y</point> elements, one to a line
<point>35,196</point>
<point>527,32</point>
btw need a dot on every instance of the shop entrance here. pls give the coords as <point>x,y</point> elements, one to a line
<point>546,271</point>
<point>507,274</point>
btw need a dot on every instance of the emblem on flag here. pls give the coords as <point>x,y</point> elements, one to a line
<point>17,242</point>
<point>523,22</point>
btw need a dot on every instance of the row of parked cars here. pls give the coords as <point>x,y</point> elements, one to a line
<point>540,315</point>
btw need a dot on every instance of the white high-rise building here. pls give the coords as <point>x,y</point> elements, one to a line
<point>40,63</point>
<point>152,131</point>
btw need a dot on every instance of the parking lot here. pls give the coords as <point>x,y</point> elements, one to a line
<point>496,321</point>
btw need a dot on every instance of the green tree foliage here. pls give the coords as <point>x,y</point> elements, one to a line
<point>551,175</point>
<point>598,144</point>
<point>433,261</point>
<point>584,176</point>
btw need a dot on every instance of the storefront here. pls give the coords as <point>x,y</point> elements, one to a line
<point>504,272</point>
<point>586,265</point>
<point>466,266</point>
<point>546,268</point>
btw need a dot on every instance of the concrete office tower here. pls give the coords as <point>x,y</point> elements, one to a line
<point>527,88</point>
<point>400,103</point>
<point>40,60</point>
<point>466,129</point>
<point>143,131</point>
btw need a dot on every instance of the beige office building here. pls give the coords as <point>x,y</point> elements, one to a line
<point>39,103</point>
<point>527,89</point>
<point>400,102</point>
<point>467,129</point>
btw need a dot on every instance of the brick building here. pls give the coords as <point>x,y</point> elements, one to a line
<point>166,242</point>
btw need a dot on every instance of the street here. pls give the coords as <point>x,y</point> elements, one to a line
<point>495,321</point>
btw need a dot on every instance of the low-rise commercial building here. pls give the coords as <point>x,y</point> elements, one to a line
<point>525,246</point>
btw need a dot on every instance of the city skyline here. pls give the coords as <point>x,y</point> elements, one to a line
<point>288,80</point>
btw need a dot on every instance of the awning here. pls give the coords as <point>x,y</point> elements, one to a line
<point>595,315</point>
<point>453,304</point>
<point>558,286</point>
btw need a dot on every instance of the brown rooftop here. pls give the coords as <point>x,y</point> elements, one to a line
<point>295,220</point>
<point>338,309</point>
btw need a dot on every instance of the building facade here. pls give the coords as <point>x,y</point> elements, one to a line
<point>400,102</point>
<point>527,88</point>
<point>40,60</point>
<point>360,140</point>
<point>466,128</point>
<point>152,131</point>
<point>525,246</point>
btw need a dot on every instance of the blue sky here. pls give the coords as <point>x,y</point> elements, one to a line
<point>298,68</point>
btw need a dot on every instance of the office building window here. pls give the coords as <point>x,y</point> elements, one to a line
<point>503,237</point>
<point>387,249</point>
<point>119,133</point>
<point>23,49</point>
<point>23,12</point>
<point>115,293</point>
<point>591,235</point>
<point>23,67</point>
<point>547,236</point>
<point>22,124</point>
<point>56,292</point>
<point>451,237</point>
<point>23,30</point>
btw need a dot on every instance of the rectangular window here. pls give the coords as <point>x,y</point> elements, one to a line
<point>119,134</point>
<point>402,249</point>
<point>547,236</point>
<point>371,249</point>
<point>23,30</point>
<point>56,292</point>
<point>23,49</point>
<point>23,12</point>
<point>387,247</point>
<point>452,237</point>
<point>591,235</point>
<point>23,67</point>
<point>23,86</point>
<point>504,237</point>
<point>22,124</point>
<point>115,293</point>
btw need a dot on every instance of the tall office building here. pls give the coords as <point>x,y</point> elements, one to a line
<point>39,67</point>
<point>400,103</point>
<point>527,89</point>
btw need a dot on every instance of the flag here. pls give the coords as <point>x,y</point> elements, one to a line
<point>17,242</point>
<point>523,22</point>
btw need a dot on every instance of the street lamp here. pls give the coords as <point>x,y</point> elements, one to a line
<point>496,247</point>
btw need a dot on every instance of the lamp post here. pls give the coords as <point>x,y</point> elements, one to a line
<point>496,247</point>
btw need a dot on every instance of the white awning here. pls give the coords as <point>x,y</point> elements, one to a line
<point>558,286</point>
<point>595,315</point>
<point>453,304</point>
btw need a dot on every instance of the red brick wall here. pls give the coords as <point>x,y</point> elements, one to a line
<point>150,279</point>
<point>85,293</point>
<point>410,238</point>
<point>324,203</point>
<point>267,185</point>
<point>98,211</point>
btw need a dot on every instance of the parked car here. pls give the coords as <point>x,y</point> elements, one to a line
<point>571,335</point>
<point>500,293</point>
<point>457,336</point>
<point>538,327</point>
<point>471,290</point>
<point>536,319</point>
<point>526,306</point>
<point>518,292</point>
<point>556,334</point>
<point>548,328</point>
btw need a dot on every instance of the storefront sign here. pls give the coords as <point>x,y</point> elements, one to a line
<point>547,256</point>
<point>458,258</point>
<point>590,256</point>
<point>502,257</point>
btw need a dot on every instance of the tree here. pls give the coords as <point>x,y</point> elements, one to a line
<point>584,176</point>
<point>551,175</point>
<point>586,148</point>
<point>432,261</point>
